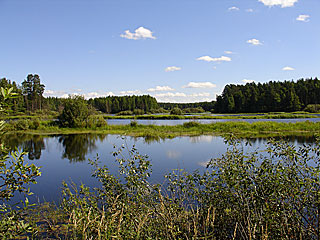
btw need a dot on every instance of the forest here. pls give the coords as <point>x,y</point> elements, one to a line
<point>273,96</point>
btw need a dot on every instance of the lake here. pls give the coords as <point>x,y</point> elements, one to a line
<point>65,157</point>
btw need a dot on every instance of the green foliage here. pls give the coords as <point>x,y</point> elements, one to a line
<point>272,194</point>
<point>260,194</point>
<point>312,108</point>
<point>287,96</point>
<point>138,111</point>
<point>115,104</point>
<point>15,174</point>
<point>75,113</point>
<point>191,124</point>
<point>35,123</point>
<point>22,124</point>
<point>124,113</point>
<point>32,89</point>
<point>96,121</point>
<point>206,106</point>
<point>115,204</point>
<point>176,111</point>
<point>159,110</point>
<point>133,124</point>
<point>193,110</point>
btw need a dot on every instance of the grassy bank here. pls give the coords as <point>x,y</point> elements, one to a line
<point>241,129</point>
<point>272,115</point>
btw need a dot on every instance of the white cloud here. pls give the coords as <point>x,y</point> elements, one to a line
<point>67,95</point>
<point>96,94</point>
<point>249,10</point>
<point>170,94</point>
<point>248,81</point>
<point>182,97</point>
<point>202,138</point>
<point>160,88</point>
<point>233,8</point>
<point>139,33</point>
<point>254,41</point>
<point>130,92</point>
<point>282,3</point>
<point>52,93</point>
<point>287,69</point>
<point>172,154</point>
<point>205,94</point>
<point>199,85</point>
<point>210,59</point>
<point>172,69</point>
<point>228,52</point>
<point>63,94</point>
<point>303,18</point>
<point>204,164</point>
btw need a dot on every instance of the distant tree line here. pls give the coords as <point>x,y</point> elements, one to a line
<point>115,104</point>
<point>273,96</point>
<point>206,106</point>
<point>29,94</point>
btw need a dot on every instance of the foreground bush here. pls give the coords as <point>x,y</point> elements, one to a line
<point>269,194</point>
<point>15,175</point>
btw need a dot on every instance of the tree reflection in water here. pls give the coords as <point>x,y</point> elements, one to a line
<point>77,146</point>
<point>32,144</point>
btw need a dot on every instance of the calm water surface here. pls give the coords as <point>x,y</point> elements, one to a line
<point>65,157</point>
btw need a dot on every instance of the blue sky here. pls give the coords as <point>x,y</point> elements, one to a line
<point>175,50</point>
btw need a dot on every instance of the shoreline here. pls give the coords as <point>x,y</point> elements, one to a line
<point>239,129</point>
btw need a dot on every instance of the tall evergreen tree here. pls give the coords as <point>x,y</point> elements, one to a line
<point>32,90</point>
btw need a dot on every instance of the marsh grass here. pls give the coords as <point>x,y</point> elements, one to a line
<point>241,129</point>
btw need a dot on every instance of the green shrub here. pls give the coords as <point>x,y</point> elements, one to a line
<point>96,122</point>
<point>262,194</point>
<point>191,124</point>
<point>176,111</point>
<point>158,110</point>
<point>21,124</point>
<point>15,175</point>
<point>101,122</point>
<point>124,113</point>
<point>194,110</point>
<point>34,123</point>
<point>133,123</point>
<point>75,113</point>
<point>138,111</point>
<point>312,108</point>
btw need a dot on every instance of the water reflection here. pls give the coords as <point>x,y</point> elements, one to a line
<point>202,138</point>
<point>32,144</point>
<point>149,139</point>
<point>292,139</point>
<point>173,154</point>
<point>77,146</point>
<point>64,157</point>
